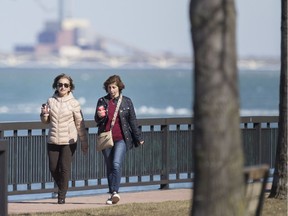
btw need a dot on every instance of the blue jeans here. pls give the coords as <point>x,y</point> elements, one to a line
<point>113,158</point>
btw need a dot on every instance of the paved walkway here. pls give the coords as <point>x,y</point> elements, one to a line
<point>95,201</point>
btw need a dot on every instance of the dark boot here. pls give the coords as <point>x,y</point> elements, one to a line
<point>61,198</point>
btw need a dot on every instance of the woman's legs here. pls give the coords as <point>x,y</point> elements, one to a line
<point>114,158</point>
<point>53,156</point>
<point>60,159</point>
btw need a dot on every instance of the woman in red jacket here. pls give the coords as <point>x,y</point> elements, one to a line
<point>126,133</point>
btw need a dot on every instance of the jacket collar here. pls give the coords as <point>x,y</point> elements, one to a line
<point>108,97</point>
<point>65,98</point>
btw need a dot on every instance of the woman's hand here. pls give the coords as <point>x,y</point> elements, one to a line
<point>45,110</point>
<point>84,148</point>
<point>101,112</point>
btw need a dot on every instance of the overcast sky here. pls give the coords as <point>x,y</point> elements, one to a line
<point>151,25</point>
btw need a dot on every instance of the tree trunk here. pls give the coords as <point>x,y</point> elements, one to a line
<point>279,185</point>
<point>219,182</point>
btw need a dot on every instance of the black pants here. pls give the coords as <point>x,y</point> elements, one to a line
<point>60,159</point>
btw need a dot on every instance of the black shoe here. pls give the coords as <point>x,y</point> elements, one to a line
<point>61,201</point>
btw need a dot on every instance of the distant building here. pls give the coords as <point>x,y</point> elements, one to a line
<point>71,34</point>
<point>75,38</point>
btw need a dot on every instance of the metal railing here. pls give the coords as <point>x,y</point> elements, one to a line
<point>3,179</point>
<point>165,158</point>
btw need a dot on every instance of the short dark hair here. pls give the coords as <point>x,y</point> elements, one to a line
<point>57,78</point>
<point>114,79</point>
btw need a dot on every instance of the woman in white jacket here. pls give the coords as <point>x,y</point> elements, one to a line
<point>63,114</point>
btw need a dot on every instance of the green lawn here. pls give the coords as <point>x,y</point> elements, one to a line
<point>170,208</point>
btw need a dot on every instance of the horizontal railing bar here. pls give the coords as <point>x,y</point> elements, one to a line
<point>144,122</point>
<point>259,119</point>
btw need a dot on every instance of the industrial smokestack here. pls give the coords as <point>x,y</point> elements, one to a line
<point>60,13</point>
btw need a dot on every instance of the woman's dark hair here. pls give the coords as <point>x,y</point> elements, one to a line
<point>56,80</point>
<point>114,79</point>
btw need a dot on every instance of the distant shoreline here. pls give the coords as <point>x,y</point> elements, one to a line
<point>99,60</point>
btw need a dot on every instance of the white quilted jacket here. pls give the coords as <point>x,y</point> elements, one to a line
<point>66,121</point>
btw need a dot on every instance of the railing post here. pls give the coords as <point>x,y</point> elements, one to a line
<point>257,126</point>
<point>165,157</point>
<point>3,177</point>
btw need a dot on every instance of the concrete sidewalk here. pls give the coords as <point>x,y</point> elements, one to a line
<point>95,201</point>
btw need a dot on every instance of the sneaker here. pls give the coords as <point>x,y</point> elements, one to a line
<point>115,198</point>
<point>109,201</point>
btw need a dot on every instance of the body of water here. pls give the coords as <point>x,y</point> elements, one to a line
<point>154,92</point>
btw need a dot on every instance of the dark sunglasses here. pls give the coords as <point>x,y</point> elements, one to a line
<point>66,85</point>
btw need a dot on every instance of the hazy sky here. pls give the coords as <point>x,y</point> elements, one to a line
<point>151,25</point>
